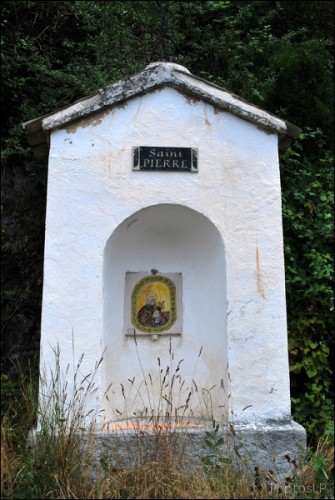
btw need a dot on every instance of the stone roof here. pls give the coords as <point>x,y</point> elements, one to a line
<point>156,75</point>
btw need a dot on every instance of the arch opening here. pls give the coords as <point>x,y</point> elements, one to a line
<point>168,239</point>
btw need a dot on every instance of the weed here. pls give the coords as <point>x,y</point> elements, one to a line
<point>214,442</point>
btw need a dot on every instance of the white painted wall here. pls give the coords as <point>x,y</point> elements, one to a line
<point>230,212</point>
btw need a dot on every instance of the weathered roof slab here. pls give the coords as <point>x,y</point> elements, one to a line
<point>154,76</point>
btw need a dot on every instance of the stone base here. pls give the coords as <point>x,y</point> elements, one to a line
<point>271,450</point>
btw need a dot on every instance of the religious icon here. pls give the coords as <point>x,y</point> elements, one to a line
<point>153,304</point>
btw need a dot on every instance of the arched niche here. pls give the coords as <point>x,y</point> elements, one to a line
<point>170,239</point>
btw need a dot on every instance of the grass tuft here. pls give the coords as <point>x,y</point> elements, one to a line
<point>61,462</point>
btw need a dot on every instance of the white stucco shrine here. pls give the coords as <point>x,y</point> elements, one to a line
<point>164,248</point>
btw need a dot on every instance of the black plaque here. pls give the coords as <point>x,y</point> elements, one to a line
<point>153,158</point>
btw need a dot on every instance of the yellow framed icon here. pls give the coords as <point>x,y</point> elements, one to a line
<point>153,303</point>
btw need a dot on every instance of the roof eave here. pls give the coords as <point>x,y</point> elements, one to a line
<point>153,77</point>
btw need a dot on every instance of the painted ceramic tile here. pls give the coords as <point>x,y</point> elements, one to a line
<point>153,304</point>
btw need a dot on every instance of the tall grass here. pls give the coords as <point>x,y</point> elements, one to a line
<point>163,398</point>
<point>61,462</point>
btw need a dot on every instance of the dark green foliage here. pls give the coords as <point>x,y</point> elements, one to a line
<point>308,201</point>
<point>277,54</point>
